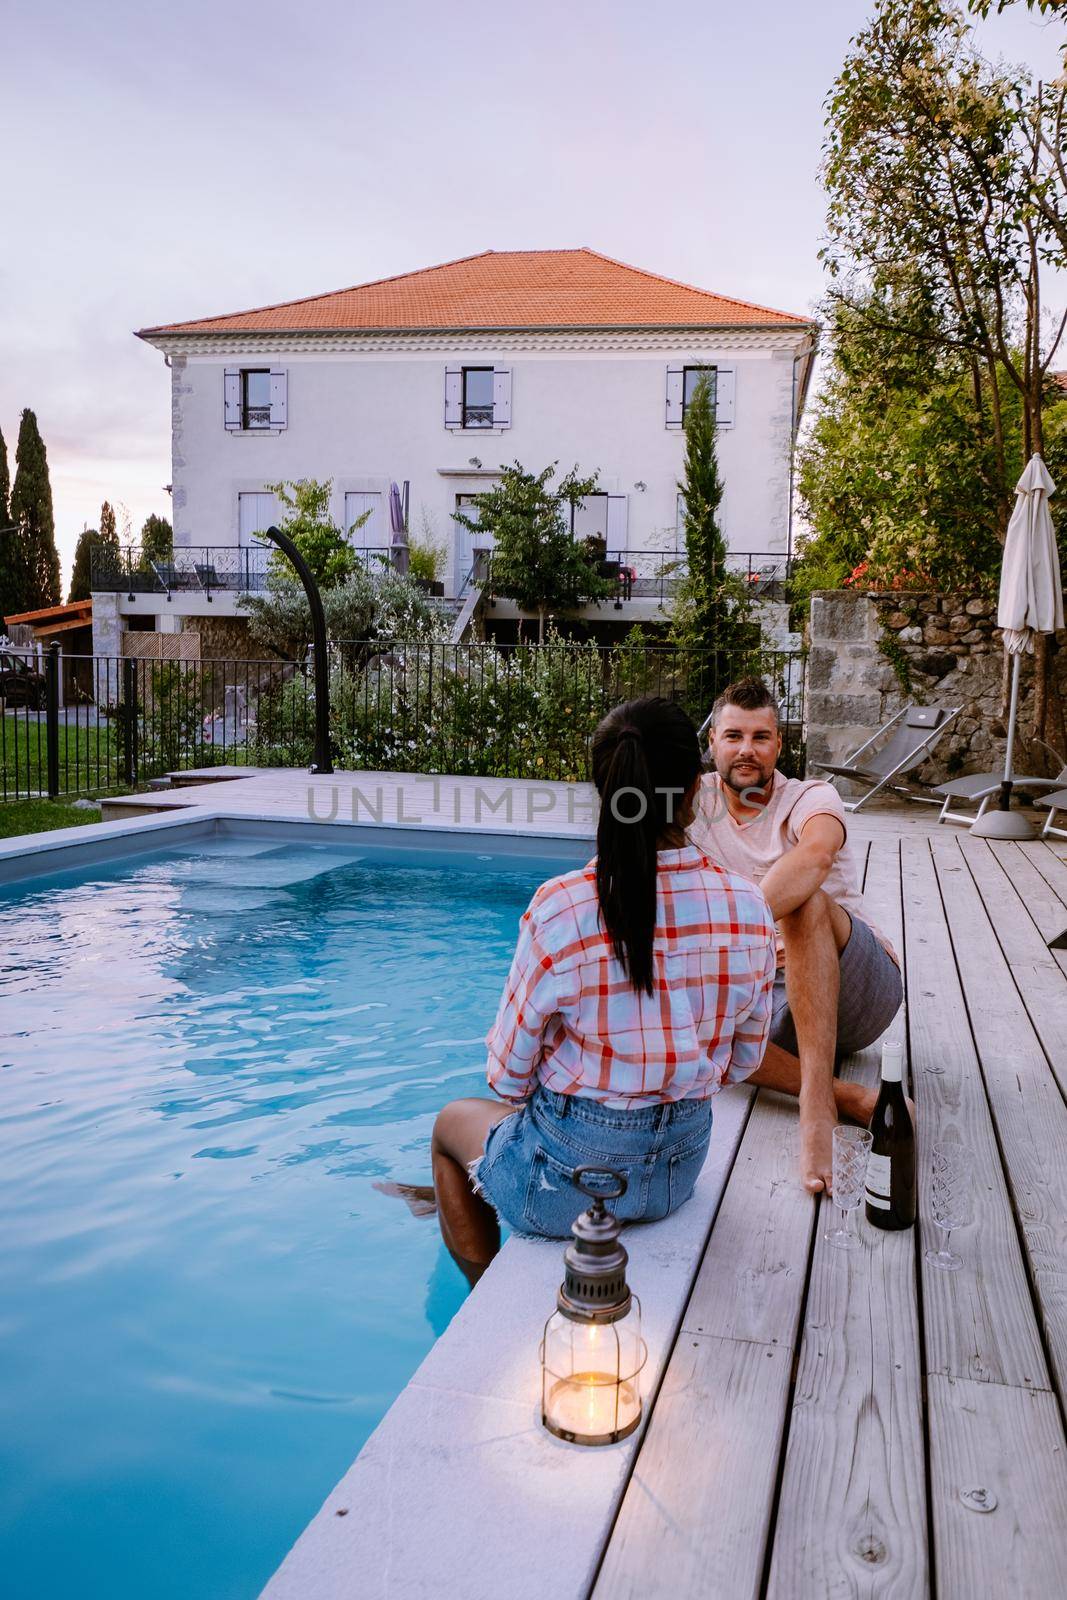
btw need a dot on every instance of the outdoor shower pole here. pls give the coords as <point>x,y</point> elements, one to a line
<point>322,762</point>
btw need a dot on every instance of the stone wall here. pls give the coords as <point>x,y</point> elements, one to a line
<point>222,638</point>
<point>869,654</point>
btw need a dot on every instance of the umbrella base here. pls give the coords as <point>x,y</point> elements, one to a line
<point>1003,825</point>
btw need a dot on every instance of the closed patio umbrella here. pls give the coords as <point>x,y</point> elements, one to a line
<point>398,523</point>
<point>1031,601</point>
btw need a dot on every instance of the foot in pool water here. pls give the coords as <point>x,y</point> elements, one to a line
<point>418,1197</point>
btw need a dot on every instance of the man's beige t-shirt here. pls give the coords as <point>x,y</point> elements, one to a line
<point>752,848</point>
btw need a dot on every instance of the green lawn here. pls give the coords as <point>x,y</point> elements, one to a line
<point>88,758</point>
<point>35,816</point>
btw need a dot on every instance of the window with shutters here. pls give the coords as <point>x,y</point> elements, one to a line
<point>477,398</point>
<point>255,399</point>
<point>681,386</point>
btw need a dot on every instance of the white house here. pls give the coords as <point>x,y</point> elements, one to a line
<point>438,377</point>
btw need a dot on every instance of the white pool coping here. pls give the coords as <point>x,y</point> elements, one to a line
<point>459,1492</point>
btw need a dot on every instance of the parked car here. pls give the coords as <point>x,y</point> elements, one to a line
<point>20,683</point>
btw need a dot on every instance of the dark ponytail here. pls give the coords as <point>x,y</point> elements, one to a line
<point>646,754</point>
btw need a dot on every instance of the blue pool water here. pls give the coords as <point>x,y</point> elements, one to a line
<point>206,1059</point>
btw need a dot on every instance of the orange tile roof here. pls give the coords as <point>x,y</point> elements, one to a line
<point>503,289</point>
<point>72,611</point>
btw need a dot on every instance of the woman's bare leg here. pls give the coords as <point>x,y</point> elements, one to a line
<point>469,1224</point>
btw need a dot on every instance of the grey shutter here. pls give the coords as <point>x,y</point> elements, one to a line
<point>501,397</point>
<point>675,389</point>
<point>725,389</point>
<point>618,507</point>
<point>453,397</point>
<point>279,397</point>
<point>231,397</point>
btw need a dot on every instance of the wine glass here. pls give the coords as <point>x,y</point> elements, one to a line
<point>852,1146</point>
<point>950,1199</point>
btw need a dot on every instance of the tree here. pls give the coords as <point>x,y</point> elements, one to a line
<point>946,197</point>
<point>368,605</point>
<point>157,539</point>
<point>893,473</point>
<point>710,621</point>
<point>536,561</point>
<point>324,546</point>
<point>33,572</point>
<point>5,485</point>
<point>90,539</point>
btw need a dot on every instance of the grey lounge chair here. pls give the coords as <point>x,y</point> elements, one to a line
<point>985,787</point>
<point>916,730</point>
<point>1056,801</point>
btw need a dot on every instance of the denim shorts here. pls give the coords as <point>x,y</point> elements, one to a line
<point>527,1169</point>
<point>868,1000</point>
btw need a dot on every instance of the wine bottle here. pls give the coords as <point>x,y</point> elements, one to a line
<point>891,1163</point>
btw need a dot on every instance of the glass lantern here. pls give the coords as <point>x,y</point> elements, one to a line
<point>592,1352</point>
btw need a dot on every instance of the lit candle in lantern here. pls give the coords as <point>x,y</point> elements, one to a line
<point>592,1352</point>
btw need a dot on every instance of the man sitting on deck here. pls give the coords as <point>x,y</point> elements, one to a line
<point>838,984</point>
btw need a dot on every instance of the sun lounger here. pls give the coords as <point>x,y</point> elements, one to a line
<point>1057,801</point>
<point>909,736</point>
<point>985,787</point>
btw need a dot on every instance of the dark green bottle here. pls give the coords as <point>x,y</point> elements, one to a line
<point>891,1163</point>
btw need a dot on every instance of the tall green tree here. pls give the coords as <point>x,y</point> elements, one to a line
<point>35,569</point>
<point>536,561</point>
<point>946,182</point>
<point>157,539</point>
<point>324,546</point>
<point>710,621</point>
<point>5,484</point>
<point>91,539</point>
<point>108,530</point>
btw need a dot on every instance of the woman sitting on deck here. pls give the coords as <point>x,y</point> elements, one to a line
<point>641,984</point>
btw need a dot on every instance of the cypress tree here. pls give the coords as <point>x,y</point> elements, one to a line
<point>107,524</point>
<point>5,485</point>
<point>710,620</point>
<point>36,567</point>
<point>157,539</point>
<point>81,573</point>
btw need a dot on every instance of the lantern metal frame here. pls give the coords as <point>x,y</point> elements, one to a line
<point>595,1294</point>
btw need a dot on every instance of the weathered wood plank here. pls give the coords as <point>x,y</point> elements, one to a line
<point>978,1323</point>
<point>852,1509</point>
<point>1039,976</point>
<point>1009,1443</point>
<point>1027,1106</point>
<point>695,1515</point>
<point>1022,865</point>
<point>751,1280</point>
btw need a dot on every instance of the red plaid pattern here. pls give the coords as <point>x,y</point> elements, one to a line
<point>570,1020</point>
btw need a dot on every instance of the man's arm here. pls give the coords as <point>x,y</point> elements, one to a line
<point>795,877</point>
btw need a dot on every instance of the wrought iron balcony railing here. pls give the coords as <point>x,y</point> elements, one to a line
<point>204,569</point>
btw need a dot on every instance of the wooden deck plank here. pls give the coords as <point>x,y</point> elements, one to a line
<point>1022,867</point>
<point>978,1324</point>
<point>695,1516</point>
<point>1039,977</point>
<point>727,1381</point>
<point>1028,1108</point>
<point>852,1509</point>
<point>984,1358</point>
<point>1009,1443</point>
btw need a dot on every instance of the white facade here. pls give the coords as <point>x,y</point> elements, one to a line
<point>365,409</point>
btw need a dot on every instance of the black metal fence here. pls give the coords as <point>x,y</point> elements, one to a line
<point>484,710</point>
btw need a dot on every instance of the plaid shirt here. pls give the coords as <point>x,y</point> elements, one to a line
<point>571,1020</point>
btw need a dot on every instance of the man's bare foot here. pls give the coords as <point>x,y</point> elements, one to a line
<point>419,1198</point>
<point>817,1124</point>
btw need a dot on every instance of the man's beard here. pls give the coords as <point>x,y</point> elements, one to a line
<point>754,778</point>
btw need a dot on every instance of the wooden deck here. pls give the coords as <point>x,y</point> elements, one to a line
<point>832,1424</point>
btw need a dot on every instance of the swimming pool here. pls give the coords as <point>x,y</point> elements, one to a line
<point>207,1057</point>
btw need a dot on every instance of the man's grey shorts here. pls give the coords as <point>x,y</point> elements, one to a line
<point>871,992</point>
